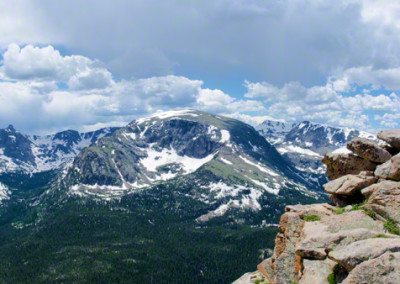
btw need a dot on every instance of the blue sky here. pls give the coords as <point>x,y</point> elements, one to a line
<point>89,64</point>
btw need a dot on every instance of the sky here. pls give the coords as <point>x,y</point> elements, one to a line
<point>89,64</point>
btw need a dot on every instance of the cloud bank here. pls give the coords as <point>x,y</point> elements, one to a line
<point>100,63</point>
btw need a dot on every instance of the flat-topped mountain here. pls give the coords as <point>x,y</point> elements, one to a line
<point>226,163</point>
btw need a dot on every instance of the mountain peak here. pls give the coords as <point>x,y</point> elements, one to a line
<point>10,128</point>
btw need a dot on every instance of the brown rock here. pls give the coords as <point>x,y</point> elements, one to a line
<point>392,137</point>
<point>385,200</point>
<point>369,150</point>
<point>384,269</point>
<point>266,269</point>
<point>390,169</point>
<point>338,165</point>
<point>349,184</point>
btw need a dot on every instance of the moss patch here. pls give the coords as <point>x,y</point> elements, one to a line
<point>311,218</point>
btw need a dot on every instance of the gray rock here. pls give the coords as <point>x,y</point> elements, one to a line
<point>385,200</point>
<point>316,271</point>
<point>338,165</point>
<point>369,150</point>
<point>317,246</point>
<point>384,269</point>
<point>390,169</point>
<point>366,192</point>
<point>352,255</point>
<point>349,184</point>
<point>392,137</point>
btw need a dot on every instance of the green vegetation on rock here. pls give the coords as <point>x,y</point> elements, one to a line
<point>311,218</point>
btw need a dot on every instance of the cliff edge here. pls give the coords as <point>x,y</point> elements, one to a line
<point>356,238</point>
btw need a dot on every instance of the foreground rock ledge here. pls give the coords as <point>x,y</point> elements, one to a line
<point>354,240</point>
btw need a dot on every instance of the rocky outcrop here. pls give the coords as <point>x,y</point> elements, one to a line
<point>356,239</point>
<point>368,150</point>
<point>338,165</point>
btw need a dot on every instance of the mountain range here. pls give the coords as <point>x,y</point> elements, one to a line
<point>31,154</point>
<point>149,197</point>
<point>305,143</point>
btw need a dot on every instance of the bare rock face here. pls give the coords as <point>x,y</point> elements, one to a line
<point>384,269</point>
<point>369,150</point>
<point>338,165</point>
<point>390,169</point>
<point>385,200</point>
<point>352,255</point>
<point>286,264</point>
<point>316,271</point>
<point>349,184</point>
<point>392,137</point>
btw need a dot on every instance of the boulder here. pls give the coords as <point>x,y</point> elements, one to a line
<point>316,271</point>
<point>355,253</point>
<point>318,246</point>
<point>338,165</point>
<point>392,137</point>
<point>385,200</point>
<point>384,269</point>
<point>318,238</point>
<point>349,184</point>
<point>390,169</point>
<point>369,150</point>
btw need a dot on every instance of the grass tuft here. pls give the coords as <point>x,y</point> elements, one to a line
<point>383,236</point>
<point>391,227</point>
<point>311,218</point>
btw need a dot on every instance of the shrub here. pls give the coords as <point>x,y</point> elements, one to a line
<point>331,278</point>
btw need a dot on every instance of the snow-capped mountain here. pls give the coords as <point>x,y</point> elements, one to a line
<point>222,162</point>
<point>304,144</point>
<point>274,131</point>
<point>31,154</point>
<point>176,186</point>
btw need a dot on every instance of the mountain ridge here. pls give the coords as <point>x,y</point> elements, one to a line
<point>32,153</point>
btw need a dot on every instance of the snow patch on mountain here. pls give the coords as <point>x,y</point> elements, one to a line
<point>156,159</point>
<point>297,149</point>
<point>261,168</point>
<point>241,200</point>
<point>167,114</point>
<point>4,193</point>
